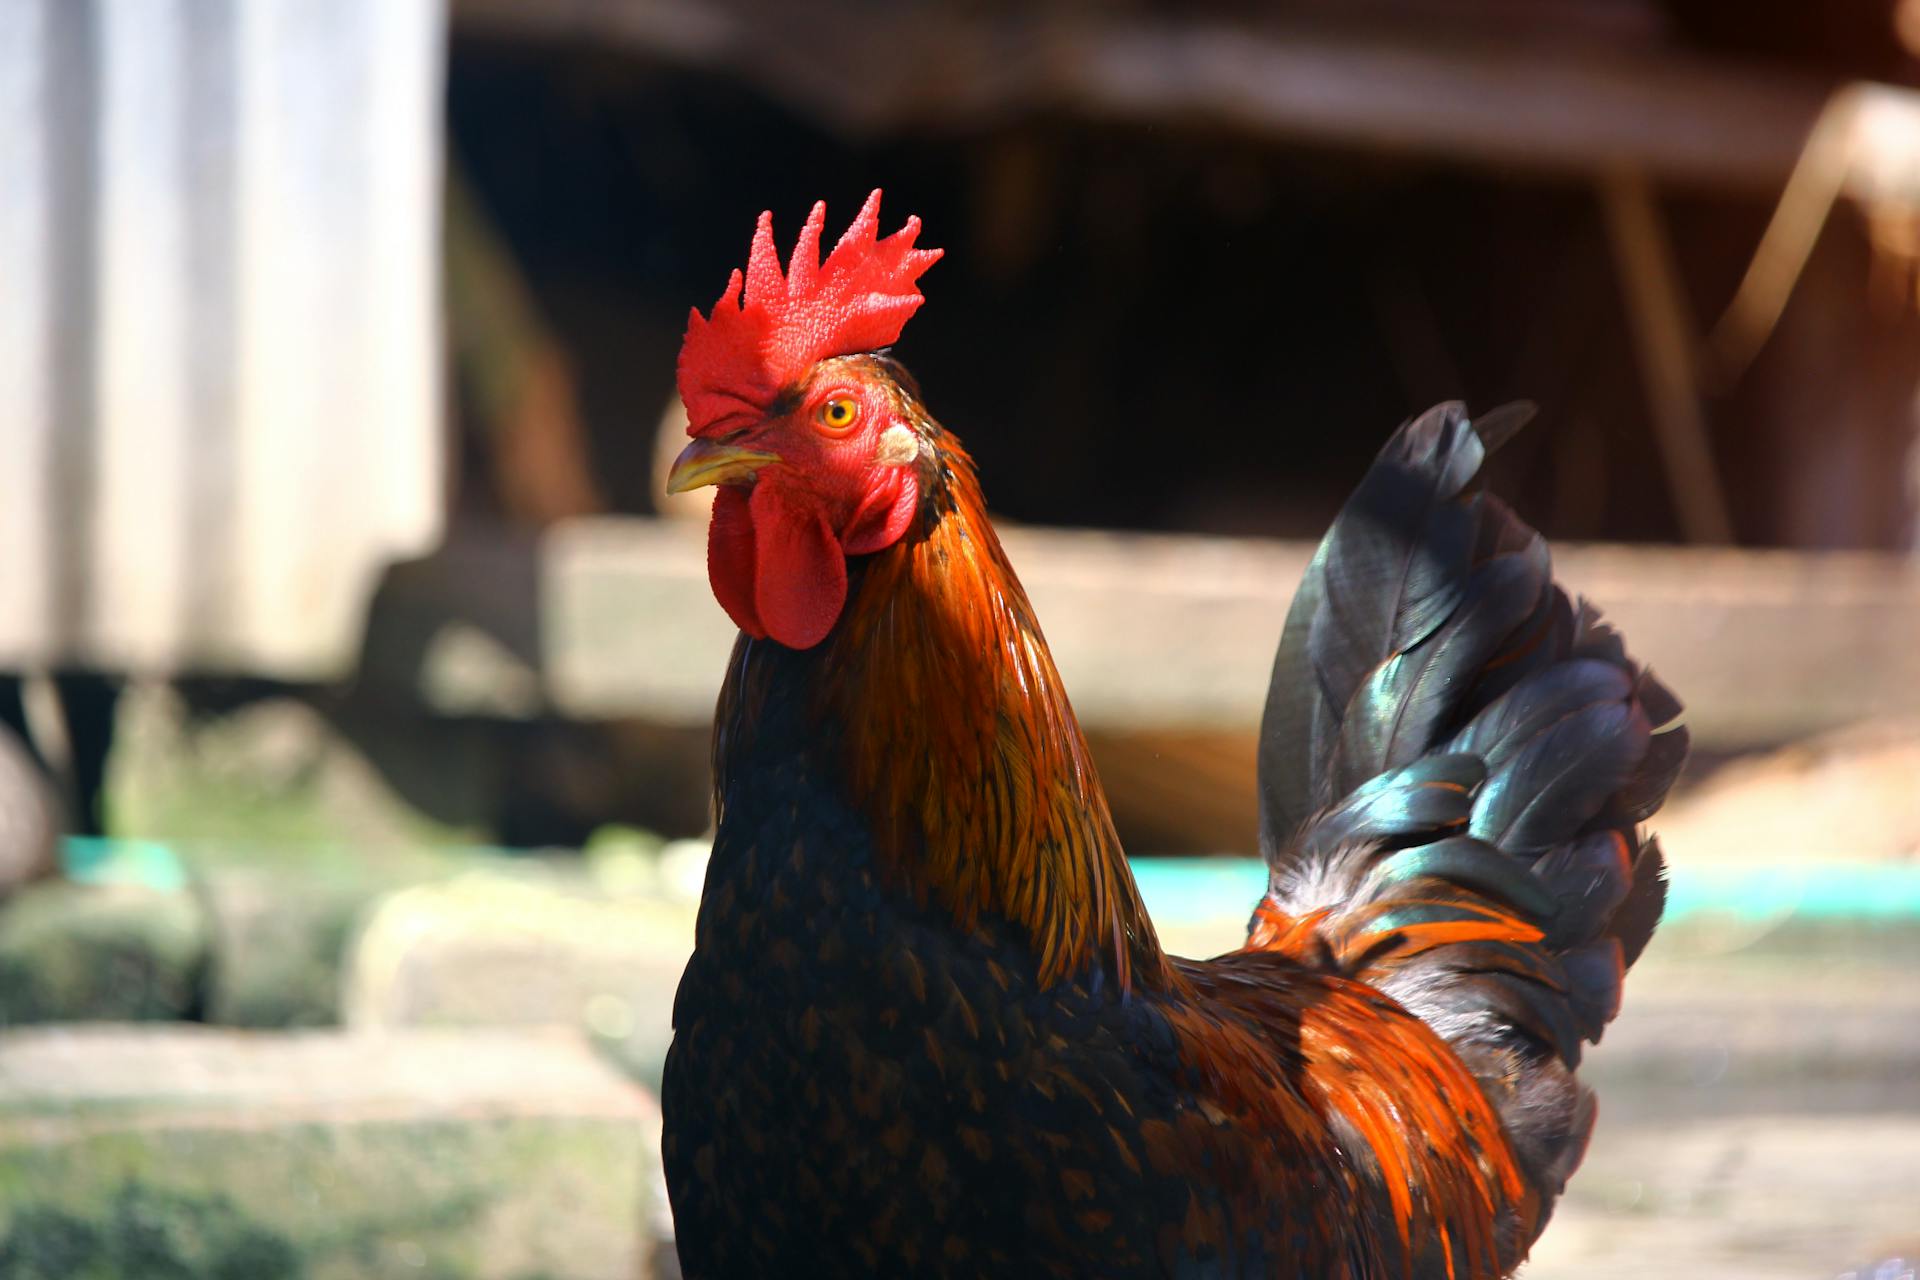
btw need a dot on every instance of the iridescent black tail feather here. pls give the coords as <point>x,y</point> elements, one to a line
<point>1454,762</point>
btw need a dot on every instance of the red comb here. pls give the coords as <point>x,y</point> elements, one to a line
<point>768,328</point>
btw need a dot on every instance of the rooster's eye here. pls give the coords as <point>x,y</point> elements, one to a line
<point>838,414</point>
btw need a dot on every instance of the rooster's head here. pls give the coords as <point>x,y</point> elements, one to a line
<point>808,434</point>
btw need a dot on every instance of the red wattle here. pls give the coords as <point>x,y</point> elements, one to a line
<point>800,579</point>
<point>777,567</point>
<point>730,558</point>
<point>883,515</point>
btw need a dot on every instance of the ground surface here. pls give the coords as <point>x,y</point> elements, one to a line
<point>1760,1094</point>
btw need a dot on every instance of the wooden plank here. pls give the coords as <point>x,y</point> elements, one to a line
<point>1661,324</point>
<point>1562,106</point>
<point>1164,633</point>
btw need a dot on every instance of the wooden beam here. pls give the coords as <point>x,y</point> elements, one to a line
<point>1665,348</point>
<point>1158,633</point>
<point>1558,107</point>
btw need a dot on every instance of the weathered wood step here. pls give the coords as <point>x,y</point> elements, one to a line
<point>1154,633</point>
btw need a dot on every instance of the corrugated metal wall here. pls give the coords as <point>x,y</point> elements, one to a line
<point>219,326</point>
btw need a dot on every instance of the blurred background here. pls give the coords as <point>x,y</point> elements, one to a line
<point>355,674</point>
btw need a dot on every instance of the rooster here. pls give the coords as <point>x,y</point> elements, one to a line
<point>927,1028</point>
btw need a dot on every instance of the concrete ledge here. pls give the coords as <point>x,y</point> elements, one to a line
<point>490,949</point>
<point>120,952</point>
<point>1770,1196</point>
<point>472,1154</point>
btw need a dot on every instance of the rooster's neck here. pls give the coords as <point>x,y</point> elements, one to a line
<point>968,757</point>
<point>953,736</point>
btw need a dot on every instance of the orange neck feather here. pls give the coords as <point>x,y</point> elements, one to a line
<point>963,749</point>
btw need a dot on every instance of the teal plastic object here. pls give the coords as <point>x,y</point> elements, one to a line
<point>148,863</point>
<point>1208,888</point>
<point>1204,889</point>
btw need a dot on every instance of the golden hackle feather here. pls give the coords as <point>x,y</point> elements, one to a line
<point>967,754</point>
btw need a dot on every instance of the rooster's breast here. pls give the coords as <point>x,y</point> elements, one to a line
<point>852,1089</point>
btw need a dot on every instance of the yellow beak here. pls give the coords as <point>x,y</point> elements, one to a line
<point>706,462</point>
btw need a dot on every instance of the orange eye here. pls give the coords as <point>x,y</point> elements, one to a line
<point>838,414</point>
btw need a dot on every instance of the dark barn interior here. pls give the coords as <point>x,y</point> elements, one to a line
<point>1198,261</point>
<point>1122,281</point>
